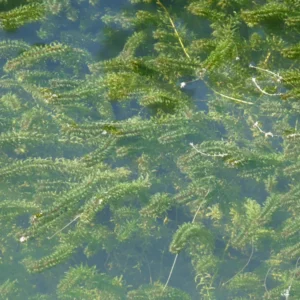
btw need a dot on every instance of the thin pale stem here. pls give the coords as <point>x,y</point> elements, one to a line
<point>176,256</point>
<point>50,237</point>
<point>250,257</point>
<point>174,28</point>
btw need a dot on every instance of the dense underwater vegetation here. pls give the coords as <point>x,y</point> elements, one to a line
<point>141,135</point>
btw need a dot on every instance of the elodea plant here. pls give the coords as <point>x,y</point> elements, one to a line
<point>150,149</point>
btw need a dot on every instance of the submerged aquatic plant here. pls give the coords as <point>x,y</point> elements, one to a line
<point>180,137</point>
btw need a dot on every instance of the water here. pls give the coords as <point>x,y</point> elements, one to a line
<point>111,167</point>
